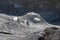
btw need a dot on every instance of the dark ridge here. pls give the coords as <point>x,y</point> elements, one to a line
<point>51,33</point>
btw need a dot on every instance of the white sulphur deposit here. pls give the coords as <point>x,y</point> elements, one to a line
<point>37,19</point>
<point>15,19</point>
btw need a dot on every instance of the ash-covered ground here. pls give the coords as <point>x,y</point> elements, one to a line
<point>27,27</point>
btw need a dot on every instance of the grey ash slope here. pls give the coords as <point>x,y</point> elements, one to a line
<point>23,27</point>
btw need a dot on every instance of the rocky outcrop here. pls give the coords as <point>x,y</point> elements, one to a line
<point>24,28</point>
<point>50,33</point>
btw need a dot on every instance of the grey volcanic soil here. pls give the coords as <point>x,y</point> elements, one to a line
<point>24,28</point>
